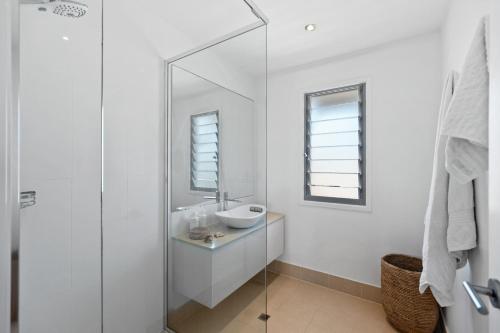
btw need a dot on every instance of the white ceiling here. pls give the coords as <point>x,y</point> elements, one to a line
<point>174,27</point>
<point>343,26</point>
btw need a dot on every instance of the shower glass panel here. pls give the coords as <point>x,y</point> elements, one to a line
<point>60,167</point>
<point>216,193</point>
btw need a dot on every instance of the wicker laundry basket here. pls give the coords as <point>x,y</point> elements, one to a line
<point>406,309</point>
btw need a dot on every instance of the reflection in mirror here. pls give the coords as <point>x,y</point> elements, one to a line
<point>205,155</point>
<point>213,139</point>
<point>217,218</point>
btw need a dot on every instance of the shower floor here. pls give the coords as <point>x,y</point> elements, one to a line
<point>294,306</point>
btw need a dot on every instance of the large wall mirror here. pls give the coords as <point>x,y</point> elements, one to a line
<point>213,139</point>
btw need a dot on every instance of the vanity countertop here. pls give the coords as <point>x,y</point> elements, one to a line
<point>273,217</point>
<point>230,234</point>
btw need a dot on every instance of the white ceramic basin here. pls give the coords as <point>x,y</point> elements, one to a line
<point>241,217</point>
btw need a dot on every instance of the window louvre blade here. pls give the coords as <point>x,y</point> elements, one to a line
<point>205,138</point>
<point>346,166</point>
<point>329,99</point>
<point>328,153</point>
<point>334,112</point>
<point>334,179</point>
<point>335,192</point>
<point>337,139</point>
<point>204,157</point>
<point>204,166</point>
<point>332,126</point>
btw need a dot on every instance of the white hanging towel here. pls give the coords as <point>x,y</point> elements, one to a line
<point>461,155</point>
<point>466,153</point>
<point>447,197</point>
<point>466,122</point>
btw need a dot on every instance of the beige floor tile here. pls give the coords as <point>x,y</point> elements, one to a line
<point>281,322</point>
<point>204,321</point>
<point>312,293</point>
<point>295,306</point>
<point>281,291</point>
<point>299,311</point>
<point>238,327</point>
<point>350,314</point>
<point>251,314</point>
<point>283,281</point>
<point>314,328</point>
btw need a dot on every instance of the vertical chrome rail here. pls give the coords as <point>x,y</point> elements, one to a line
<point>13,160</point>
<point>9,164</point>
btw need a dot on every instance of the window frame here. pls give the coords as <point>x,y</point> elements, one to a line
<point>192,187</point>
<point>362,202</point>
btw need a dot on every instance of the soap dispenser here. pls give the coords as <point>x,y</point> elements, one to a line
<point>197,224</point>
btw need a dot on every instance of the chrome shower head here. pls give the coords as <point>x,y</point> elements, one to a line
<point>69,8</point>
<point>66,8</point>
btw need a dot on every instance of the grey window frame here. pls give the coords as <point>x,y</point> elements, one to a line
<point>361,87</point>
<point>191,152</point>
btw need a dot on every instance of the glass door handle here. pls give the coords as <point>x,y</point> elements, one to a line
<point>27,199</point>
<point>492,291</point>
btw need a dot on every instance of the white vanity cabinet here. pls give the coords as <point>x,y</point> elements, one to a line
<point>208,273</point>
<point>275,236</point>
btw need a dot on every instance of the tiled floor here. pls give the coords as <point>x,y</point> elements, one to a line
<point>294,306</point>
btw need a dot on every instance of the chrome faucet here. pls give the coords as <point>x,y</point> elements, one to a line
<point>226,200</point>
<point>216,197</point>
<point>221,203</point>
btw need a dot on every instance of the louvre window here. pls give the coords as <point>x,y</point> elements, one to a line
<point>205,152</point>
<point>334,152</point>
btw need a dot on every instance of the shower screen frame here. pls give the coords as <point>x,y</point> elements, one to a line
<point>167,133</point>
<point>9,150</point>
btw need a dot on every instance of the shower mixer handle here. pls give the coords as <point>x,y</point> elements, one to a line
<point>27,199</point>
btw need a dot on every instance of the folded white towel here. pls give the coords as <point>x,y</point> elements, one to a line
<point>450,213</point>
<point>466,122</point>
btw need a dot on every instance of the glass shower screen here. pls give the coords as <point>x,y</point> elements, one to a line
<point>216,217</point>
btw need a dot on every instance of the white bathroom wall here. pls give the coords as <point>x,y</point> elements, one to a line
<point>458,29</point>
<point>494,154</point>
<point>133,187</point>
<point>404,86</point>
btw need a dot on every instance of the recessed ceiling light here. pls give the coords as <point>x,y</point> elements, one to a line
<point>65,37</point>
<point>310,27</point>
